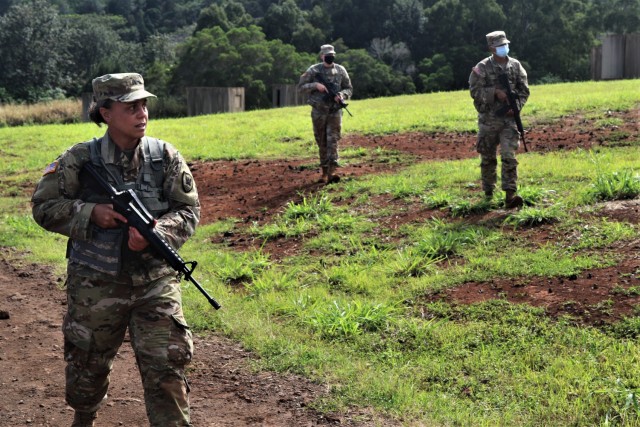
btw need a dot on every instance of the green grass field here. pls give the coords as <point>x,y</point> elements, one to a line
<point>358,316</point>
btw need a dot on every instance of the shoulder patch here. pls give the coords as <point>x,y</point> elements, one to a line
<point>187,182</point>
<point>476,70</point>
<point>51,168</point>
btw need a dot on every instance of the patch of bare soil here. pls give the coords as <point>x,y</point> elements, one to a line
<point>225,391</point>
<point>595,297</point>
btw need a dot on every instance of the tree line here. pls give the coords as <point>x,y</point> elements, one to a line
<point>52,49</point>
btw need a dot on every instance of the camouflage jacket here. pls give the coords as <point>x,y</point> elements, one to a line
<point>59,205</point>
<point>336,76</point>
<point>483,82</point>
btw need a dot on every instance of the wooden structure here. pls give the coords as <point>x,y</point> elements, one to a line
<point>87,97</point>
<point>617,58</point>
<point>210,100</point>
<point>287,96</point>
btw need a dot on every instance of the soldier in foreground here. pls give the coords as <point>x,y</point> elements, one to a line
<point>114,280</point>
<point>328,86</point>
<point>496,124</point>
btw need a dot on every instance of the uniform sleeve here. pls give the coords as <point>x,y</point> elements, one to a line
<point>346,89</point>
<point>522,86</point>
<point>179,223</point>
<point>307,83</point>
<point>482,92</point>
<point>56,205</point>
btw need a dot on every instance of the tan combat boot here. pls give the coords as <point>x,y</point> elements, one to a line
<point>332,176</point>
<point>512,200</point>
<point>84,419</point>
<point>325,175</point>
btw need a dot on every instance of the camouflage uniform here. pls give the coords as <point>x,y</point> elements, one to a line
<point>496,129</point>
<point>326,115</point>
<point>142,294</point>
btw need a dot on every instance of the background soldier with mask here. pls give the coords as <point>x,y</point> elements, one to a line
<point>326,113</point>
<point>114,281</point>
<point>496,124</point>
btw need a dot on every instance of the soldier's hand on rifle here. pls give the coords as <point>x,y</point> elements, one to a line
<point>136,241</point>
<point>104,216</point>
<point>501,95</point>
<point>321,88</point>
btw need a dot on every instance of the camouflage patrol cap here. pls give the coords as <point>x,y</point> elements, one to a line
<point>497,38</point>
<point>327,49</point>
<point>121,87</point>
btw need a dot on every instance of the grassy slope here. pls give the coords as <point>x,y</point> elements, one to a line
<point>355,316</point>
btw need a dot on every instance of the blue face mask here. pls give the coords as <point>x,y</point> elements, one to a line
<point>502,51</point>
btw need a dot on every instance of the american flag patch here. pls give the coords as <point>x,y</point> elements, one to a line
<point>477,71</point>
<point>51,168</point>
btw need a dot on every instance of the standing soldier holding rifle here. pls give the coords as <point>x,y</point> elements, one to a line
<point>328,86</point>
<point>499,122</point>
<point>116,279</point>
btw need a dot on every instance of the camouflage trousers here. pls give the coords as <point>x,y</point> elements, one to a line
<point>98,315</point>
<point>326,130</point>
<point>494,132</point>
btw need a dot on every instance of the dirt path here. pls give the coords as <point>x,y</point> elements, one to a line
<point>225,392</point>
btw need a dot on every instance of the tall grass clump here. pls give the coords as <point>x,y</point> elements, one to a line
<point>240,268</point>
<point>622,185</point>
<point>312,207</point>
<point>611,185</point>
<point>442,240</point>
<point>298,219</point>
<point>343,320</point>
<point>61,111</point>
<point>531,216</point>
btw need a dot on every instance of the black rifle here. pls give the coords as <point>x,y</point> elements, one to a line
<point>332,93</point>
<point>129,205</point>
<point>513,106</point>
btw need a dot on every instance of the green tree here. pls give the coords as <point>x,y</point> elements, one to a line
<point>228,15</point>
<point>33,68</point>
<point>618,16</point>
<point>372,78</point>
<point>359,21</point>
<point>307,38</point>
<point>241,57</point>
<point>550,37</point>
<point>98,49</point>
<point>396,55</point>
<point>4,6</point>
<point>456,30</point>
<point>282,20</point>
<point>435,74</point>
<point>406,23</point>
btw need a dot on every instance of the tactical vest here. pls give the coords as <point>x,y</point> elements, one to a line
<point>104,251</point>
<point>322,101</point>
<point>492,70</point>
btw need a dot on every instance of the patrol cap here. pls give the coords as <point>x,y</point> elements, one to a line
<point>327,49</point>
<point>121,87</point>
<point>497,38</point>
